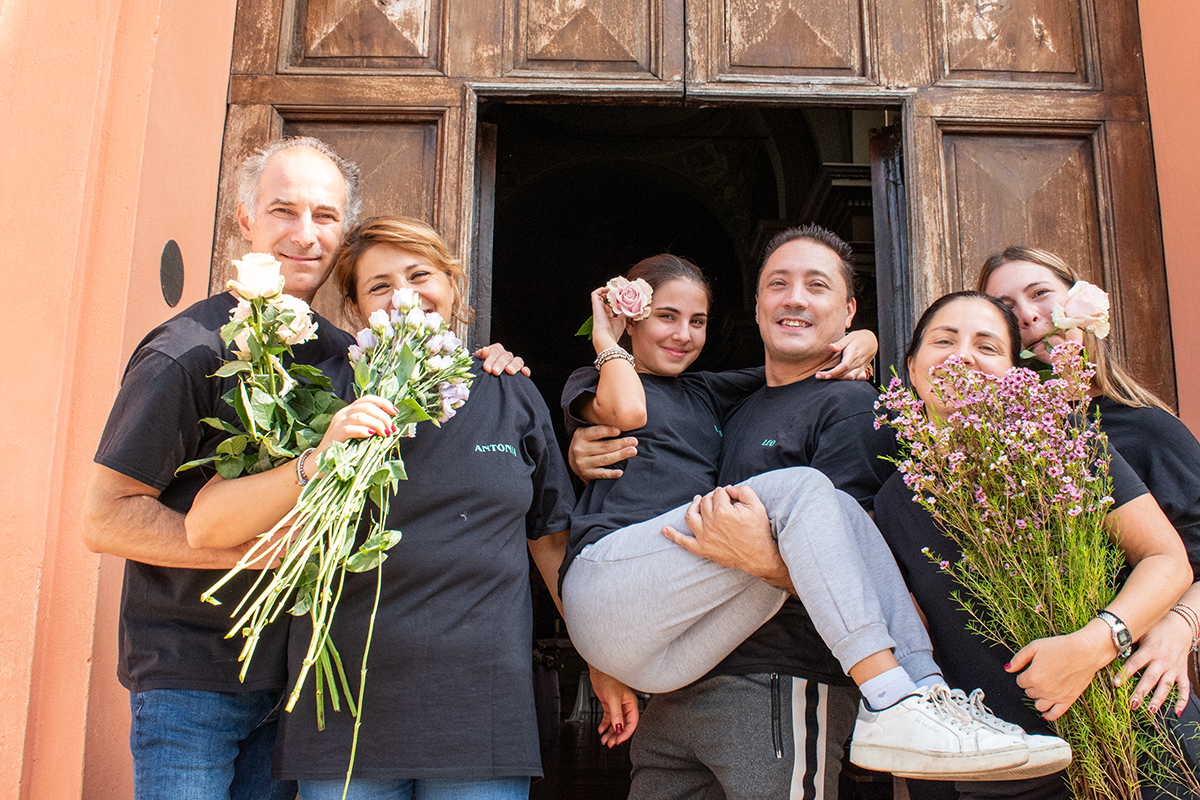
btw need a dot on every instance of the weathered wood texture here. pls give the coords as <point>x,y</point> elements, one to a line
<point>1020,120</point>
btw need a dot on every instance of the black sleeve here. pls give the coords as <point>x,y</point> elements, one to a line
<point>1126,485</point>
<point>153,427</point>
<point>583,381</point>
<point>850,451</point>
<point>730,387</point>
<point>553,494</point>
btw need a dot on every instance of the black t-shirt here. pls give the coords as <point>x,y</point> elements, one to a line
<point>450,687</point>
<point>1166,456</point>
<point>678,449</point>
<point>827,425</point>
<point>169,639</point>
<point>967,660</point>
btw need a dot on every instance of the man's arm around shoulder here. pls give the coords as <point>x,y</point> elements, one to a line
<point>123,517</point>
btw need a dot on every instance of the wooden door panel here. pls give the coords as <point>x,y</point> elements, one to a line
<point>368,34</point>
<point>789,38</point>
<point>1035,190</point>
<point>588,36</point>
<point>1017,41</point>
<point>398,156</point>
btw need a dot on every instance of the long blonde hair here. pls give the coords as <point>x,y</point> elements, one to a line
<point>1111,379</point>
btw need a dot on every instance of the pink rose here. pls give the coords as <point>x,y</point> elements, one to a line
<point>631,298</point>
<point>1085,307</point>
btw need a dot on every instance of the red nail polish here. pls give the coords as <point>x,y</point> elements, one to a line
<point>1134,704</point>
<point>1179,713</point>
<point>1151,709</point>
<point>620,729</point>
<point>1009,664</point>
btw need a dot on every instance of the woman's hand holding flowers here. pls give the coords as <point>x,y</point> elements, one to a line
<point>1054,671</point>
<point>607,324</point>
<point>1162,654</point>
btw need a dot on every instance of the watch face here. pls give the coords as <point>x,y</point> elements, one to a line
<point>1124,638</point>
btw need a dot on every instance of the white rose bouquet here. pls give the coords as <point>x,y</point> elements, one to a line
<point>284,409</point>
<point>413,360</point>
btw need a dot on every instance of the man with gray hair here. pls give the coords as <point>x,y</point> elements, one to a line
<point>198,731</point>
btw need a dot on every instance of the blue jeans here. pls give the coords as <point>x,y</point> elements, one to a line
<point>402,789</point>
<point>193,745</point>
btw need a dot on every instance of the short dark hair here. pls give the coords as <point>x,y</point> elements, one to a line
<point>818,235</point>
<point>1006,313</point>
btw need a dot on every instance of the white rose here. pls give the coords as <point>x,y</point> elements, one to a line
<point>404,299</point>
<point>1086,307</point>
<point>415,318</point>
<point>381,323</point>
<point>257,276</point>
<point>302,326</point>
<point>433,322</point>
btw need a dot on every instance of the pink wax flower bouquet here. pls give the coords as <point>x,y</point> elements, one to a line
<point>1016,475</point>
<point>284,407</point>
<point>626,298</point>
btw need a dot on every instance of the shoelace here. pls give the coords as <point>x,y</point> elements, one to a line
<point>973,706</point>
<point>943,704</point>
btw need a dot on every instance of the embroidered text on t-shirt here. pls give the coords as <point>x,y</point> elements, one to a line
<point>768,443</point>
<point>496,448</point>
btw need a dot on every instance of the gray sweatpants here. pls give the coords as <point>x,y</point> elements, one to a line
<point>744,737</point>
<point>657,617</point>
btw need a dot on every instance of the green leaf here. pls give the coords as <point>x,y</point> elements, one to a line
<point>220,424</point>
<point>410,411</point>
<point>262,407</point>
<point>232,368</point>
<point>197,463</point>
<point>242,406</point>
<point>405,365</point>
<point>304,602</point>
<point>361,562</point>
<point>362,373</point>
<point>234,445</point>
<point>229,469</point>
<point>586,328</point>
<point>389,387</point>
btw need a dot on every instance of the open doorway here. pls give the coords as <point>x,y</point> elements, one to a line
<point>584,192</point>
<point>581,193</point>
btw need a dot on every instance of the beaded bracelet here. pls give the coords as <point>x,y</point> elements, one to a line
<point>301,478</point>
<point>611,353</point>
<point>1191,618</point>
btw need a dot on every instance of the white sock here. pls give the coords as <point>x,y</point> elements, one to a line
<point>931,680</point>
<point>887,689</point>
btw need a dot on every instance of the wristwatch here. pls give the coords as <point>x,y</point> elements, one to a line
<point>1120,634</point>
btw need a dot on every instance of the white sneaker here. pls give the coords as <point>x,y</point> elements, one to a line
<point>1047,754</point>
<point>928,734</point>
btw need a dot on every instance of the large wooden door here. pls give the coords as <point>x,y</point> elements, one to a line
<point>1022,121</point>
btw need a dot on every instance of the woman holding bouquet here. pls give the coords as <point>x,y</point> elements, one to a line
<point>1054,671</point>
<point>1160,448</point>
<point>448,712</point>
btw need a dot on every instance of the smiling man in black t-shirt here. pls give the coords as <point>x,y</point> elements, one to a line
<point>773,718</point>
<point>197,731</point>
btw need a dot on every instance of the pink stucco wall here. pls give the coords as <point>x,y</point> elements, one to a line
<point>1170,31</point>
<point>112,116</point>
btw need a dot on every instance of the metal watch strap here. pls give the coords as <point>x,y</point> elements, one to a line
<point>1122,638</point>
